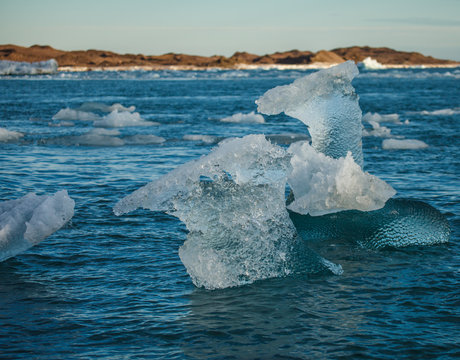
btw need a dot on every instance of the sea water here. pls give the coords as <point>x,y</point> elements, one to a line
<point>115,287</point>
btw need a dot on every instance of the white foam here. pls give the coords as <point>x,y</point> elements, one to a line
<point>25,68</point>
<point>323,185</point>
<point>9,135</point>
<point>27,221</point>
<point>69,114</point>
<point>406,144</point>
<point>372,64</point>
<point>251,118</point>
<point>326,102</point>
<point>207,139</point>
<point>123,119</point>
<point>379,118</point>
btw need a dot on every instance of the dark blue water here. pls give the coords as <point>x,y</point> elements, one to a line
<point>114,287</point>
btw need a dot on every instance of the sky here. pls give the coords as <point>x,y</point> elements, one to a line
<point>208,27</point>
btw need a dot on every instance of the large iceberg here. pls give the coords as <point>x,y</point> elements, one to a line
<point>326,102</point>
<point>27,221</point>
<point>233,203</point>
<point>8,67</point>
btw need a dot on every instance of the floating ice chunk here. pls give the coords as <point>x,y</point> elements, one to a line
<point>442,112</point>
<point>94,137</point>
<point>400,223</point>
<point>207,139</point>
<point>143,139</point>
<point>123,119</point>
<point>77,115</point>
<point>377,130</point>
<point>95,106</point>
<point>323,185</point>
<point>25,68</point>
<point>372,64</point>
<point>376,117</point>
<point>27,221</point>
<point>9,135</point>
<point>406,144</point>
<point>232,203</point>
<point>326,102</point>
<point>251,118</point>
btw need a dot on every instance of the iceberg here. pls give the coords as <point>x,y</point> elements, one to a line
<point>27,221</point>
<point>326,102</point>
<point>233,204</point>
<point>372,64</point>
<point>25,68</point>
<point>323,185</point>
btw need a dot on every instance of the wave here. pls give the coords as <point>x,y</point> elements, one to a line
<point>25,68</point>
<point>27,221</point>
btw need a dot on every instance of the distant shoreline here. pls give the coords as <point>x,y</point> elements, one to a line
<point>241,67</point>
<point>99,60</point>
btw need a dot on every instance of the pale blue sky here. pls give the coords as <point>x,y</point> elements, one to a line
<point>205,27</point>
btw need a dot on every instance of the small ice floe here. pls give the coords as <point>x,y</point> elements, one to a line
<point>143,139</point>
<point>379,118</point>
<point>441,112</point>
<point>406,144</point>
<point>27,221</point>
<point>69,114</point>
<point>123,119</point>
<point>25,68</point>
<point>206,139</point>
<point>9,135</point>
<point>96,106</point>
<point>251,118</point>
<point>377,130</point>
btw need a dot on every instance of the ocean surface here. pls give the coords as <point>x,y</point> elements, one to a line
<point>107,287</point>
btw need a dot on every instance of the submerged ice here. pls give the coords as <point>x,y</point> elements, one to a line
<point>27,221</point>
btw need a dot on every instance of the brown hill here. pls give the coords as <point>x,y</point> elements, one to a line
<point>388,56</point>
<point>102,59</point>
